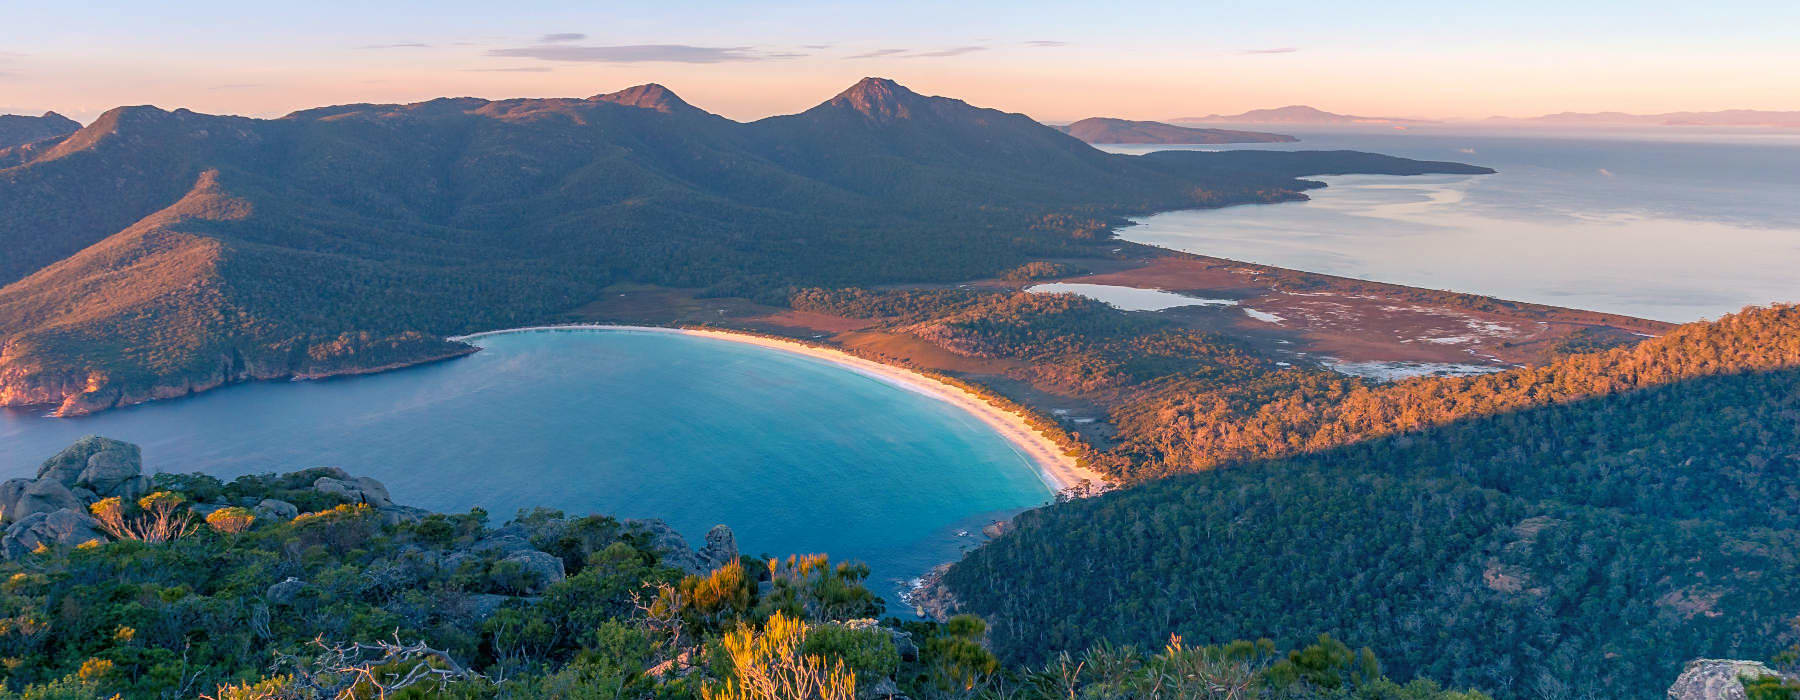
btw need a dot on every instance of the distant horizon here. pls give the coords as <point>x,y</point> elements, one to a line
<point>1144,59</point>
<point>88,116</point>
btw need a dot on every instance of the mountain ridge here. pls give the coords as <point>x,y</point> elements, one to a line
<point>364,234</point>
<point>648,96</point>
<point>19,130</point>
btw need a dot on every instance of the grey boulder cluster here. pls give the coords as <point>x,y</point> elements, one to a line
<point>350,489</point>
<point>720,548</point>
<point>52,509</point>
<point>508,553</point>
<point>1720,679</point>
<point>512,559</point>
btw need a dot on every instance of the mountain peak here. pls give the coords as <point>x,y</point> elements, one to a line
<point>876,85</point>
<point>17,130</point>
<point>648,96</point>
<point>879,98</point>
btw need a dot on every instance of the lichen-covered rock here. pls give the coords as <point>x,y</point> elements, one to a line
<point>481,606</point>
<point>201,510</point>
<point>132,488</point>
<point>64,528</point>
<point>285,592</point>
<point>502,543</point>
<point>360,489</point>
<point>883,689</point>
<point>275,510</point>
<point>903,643</point>
<point>543,567</point>
<point>111,468</point>
<point>720,549</point>
<point>1717,679</point>
<point>10,491</point>
<point>43,496</point>
<point>100,464</point>
<point>666,543</point>
<point>395,514</point>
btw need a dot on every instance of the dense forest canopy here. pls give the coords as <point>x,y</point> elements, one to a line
<point>1583,527</point>
<point>1185,429</point>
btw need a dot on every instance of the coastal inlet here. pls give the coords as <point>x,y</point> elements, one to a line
<point>795,453</point>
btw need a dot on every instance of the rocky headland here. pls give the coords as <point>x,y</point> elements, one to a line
<point>57,508</point>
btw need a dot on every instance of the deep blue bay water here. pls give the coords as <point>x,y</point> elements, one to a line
<point>795,454</point>
<point>1670,224</point>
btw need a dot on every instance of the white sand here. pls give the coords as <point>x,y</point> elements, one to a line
<point>1056,469</point>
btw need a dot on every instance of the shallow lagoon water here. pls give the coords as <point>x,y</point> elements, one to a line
<point>1668,224</point>
<point>1127,298</point>
<point>795,454</point>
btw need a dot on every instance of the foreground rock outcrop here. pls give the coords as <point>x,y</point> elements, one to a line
<point>64,527</point>
<point>720,548</point>
<point>53,509</point>
<point>1721,679</point>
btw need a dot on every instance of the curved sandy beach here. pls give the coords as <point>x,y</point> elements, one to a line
<point>1056,469</point>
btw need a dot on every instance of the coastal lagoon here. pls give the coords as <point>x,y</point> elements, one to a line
<point>1668,224</point>
<point>796,454</point>
<point>1128,298</point>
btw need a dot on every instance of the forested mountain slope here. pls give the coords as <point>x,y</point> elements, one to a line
<point>1194,426</point>
<point>356,234</point>
<point>1580,528</point>
<point>17,129</point>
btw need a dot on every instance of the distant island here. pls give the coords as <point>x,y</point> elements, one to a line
<point>1109,130</point>
<point>1296,114</point>
<point>1729,117</point>
<point>18,129</point>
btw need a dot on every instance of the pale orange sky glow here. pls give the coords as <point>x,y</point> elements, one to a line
<point>1384,62</point>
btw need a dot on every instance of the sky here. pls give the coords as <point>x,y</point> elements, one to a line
<point>1055,61</point>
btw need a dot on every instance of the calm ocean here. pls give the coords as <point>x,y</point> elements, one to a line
<point>1667,224</point>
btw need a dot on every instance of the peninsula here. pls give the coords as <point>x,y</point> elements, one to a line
<point>1107,130</point>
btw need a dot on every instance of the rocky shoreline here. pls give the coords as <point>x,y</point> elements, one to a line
<point>73,393</point>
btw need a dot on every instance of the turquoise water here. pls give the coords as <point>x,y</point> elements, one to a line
<point>795,454</point>
<point>1668,224</point>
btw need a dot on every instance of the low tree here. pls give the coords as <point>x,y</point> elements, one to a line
<point>231,520</point>
<point>159,517</point>
<point>769,665</point>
